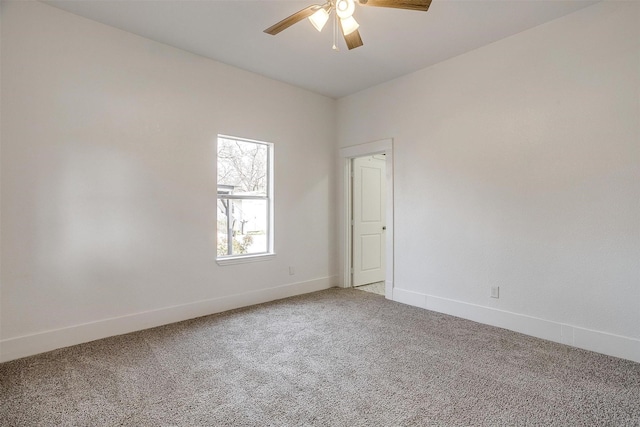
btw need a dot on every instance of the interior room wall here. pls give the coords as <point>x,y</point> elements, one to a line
<point>108,182</point>
<point>517,165</point>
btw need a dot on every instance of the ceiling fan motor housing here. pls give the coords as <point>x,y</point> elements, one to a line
<point>345,8</point>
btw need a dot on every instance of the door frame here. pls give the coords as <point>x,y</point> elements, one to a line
<point>384,146</point>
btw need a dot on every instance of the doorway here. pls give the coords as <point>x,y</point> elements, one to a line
<point>368,222</point>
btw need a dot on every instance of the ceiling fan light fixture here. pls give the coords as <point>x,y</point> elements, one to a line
<point>319,15</point>
<point>319,19</point>
<point>345,8</point>
<point>349,25</point>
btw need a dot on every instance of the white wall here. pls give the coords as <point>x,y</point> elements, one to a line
<point>518,165</point>
<point>108,182</point>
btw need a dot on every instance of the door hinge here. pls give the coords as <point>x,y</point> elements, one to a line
<point>353,223</point>
<point>352,271</point>
<point>352,174</point>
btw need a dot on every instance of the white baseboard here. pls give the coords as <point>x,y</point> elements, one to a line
<point>601,342</point>
<point>28,345</point>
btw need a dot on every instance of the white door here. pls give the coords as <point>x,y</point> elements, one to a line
<point>368,219</point>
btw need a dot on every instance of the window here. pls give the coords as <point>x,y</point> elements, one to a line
<point>245,198</point>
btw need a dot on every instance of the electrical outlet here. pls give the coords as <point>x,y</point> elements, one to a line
<point>495,292</point>
<point>292,271</point>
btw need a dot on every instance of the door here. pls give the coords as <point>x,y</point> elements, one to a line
<point>369,188</point>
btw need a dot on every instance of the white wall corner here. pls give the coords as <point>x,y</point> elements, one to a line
<point>335,281</point>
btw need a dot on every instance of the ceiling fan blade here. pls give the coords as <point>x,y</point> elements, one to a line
<point>353,40</point>
<point>422,5</point>
<point>296,17</point>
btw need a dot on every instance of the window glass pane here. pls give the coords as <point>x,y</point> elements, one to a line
<point>242,167</point>
<point>244,223</point>
<point>223,231</point>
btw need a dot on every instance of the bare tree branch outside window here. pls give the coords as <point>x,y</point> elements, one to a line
<point>243,165</point>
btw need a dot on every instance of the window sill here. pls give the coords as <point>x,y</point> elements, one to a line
<point>245,259</point>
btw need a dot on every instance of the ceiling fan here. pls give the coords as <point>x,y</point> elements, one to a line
<point>319,15</point>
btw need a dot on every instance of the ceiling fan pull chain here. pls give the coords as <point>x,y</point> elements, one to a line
<point>335,32</point>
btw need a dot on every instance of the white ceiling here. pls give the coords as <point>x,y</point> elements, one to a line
<point>396,42</point>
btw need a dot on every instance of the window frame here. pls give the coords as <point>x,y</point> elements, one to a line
<point>270,232</point>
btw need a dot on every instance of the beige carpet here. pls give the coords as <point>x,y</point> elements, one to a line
<point>331,358</point>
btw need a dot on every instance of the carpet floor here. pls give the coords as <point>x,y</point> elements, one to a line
<point>376,288</point>
<point>338,357</point>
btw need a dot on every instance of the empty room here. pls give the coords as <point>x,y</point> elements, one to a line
<point>426,212</point>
